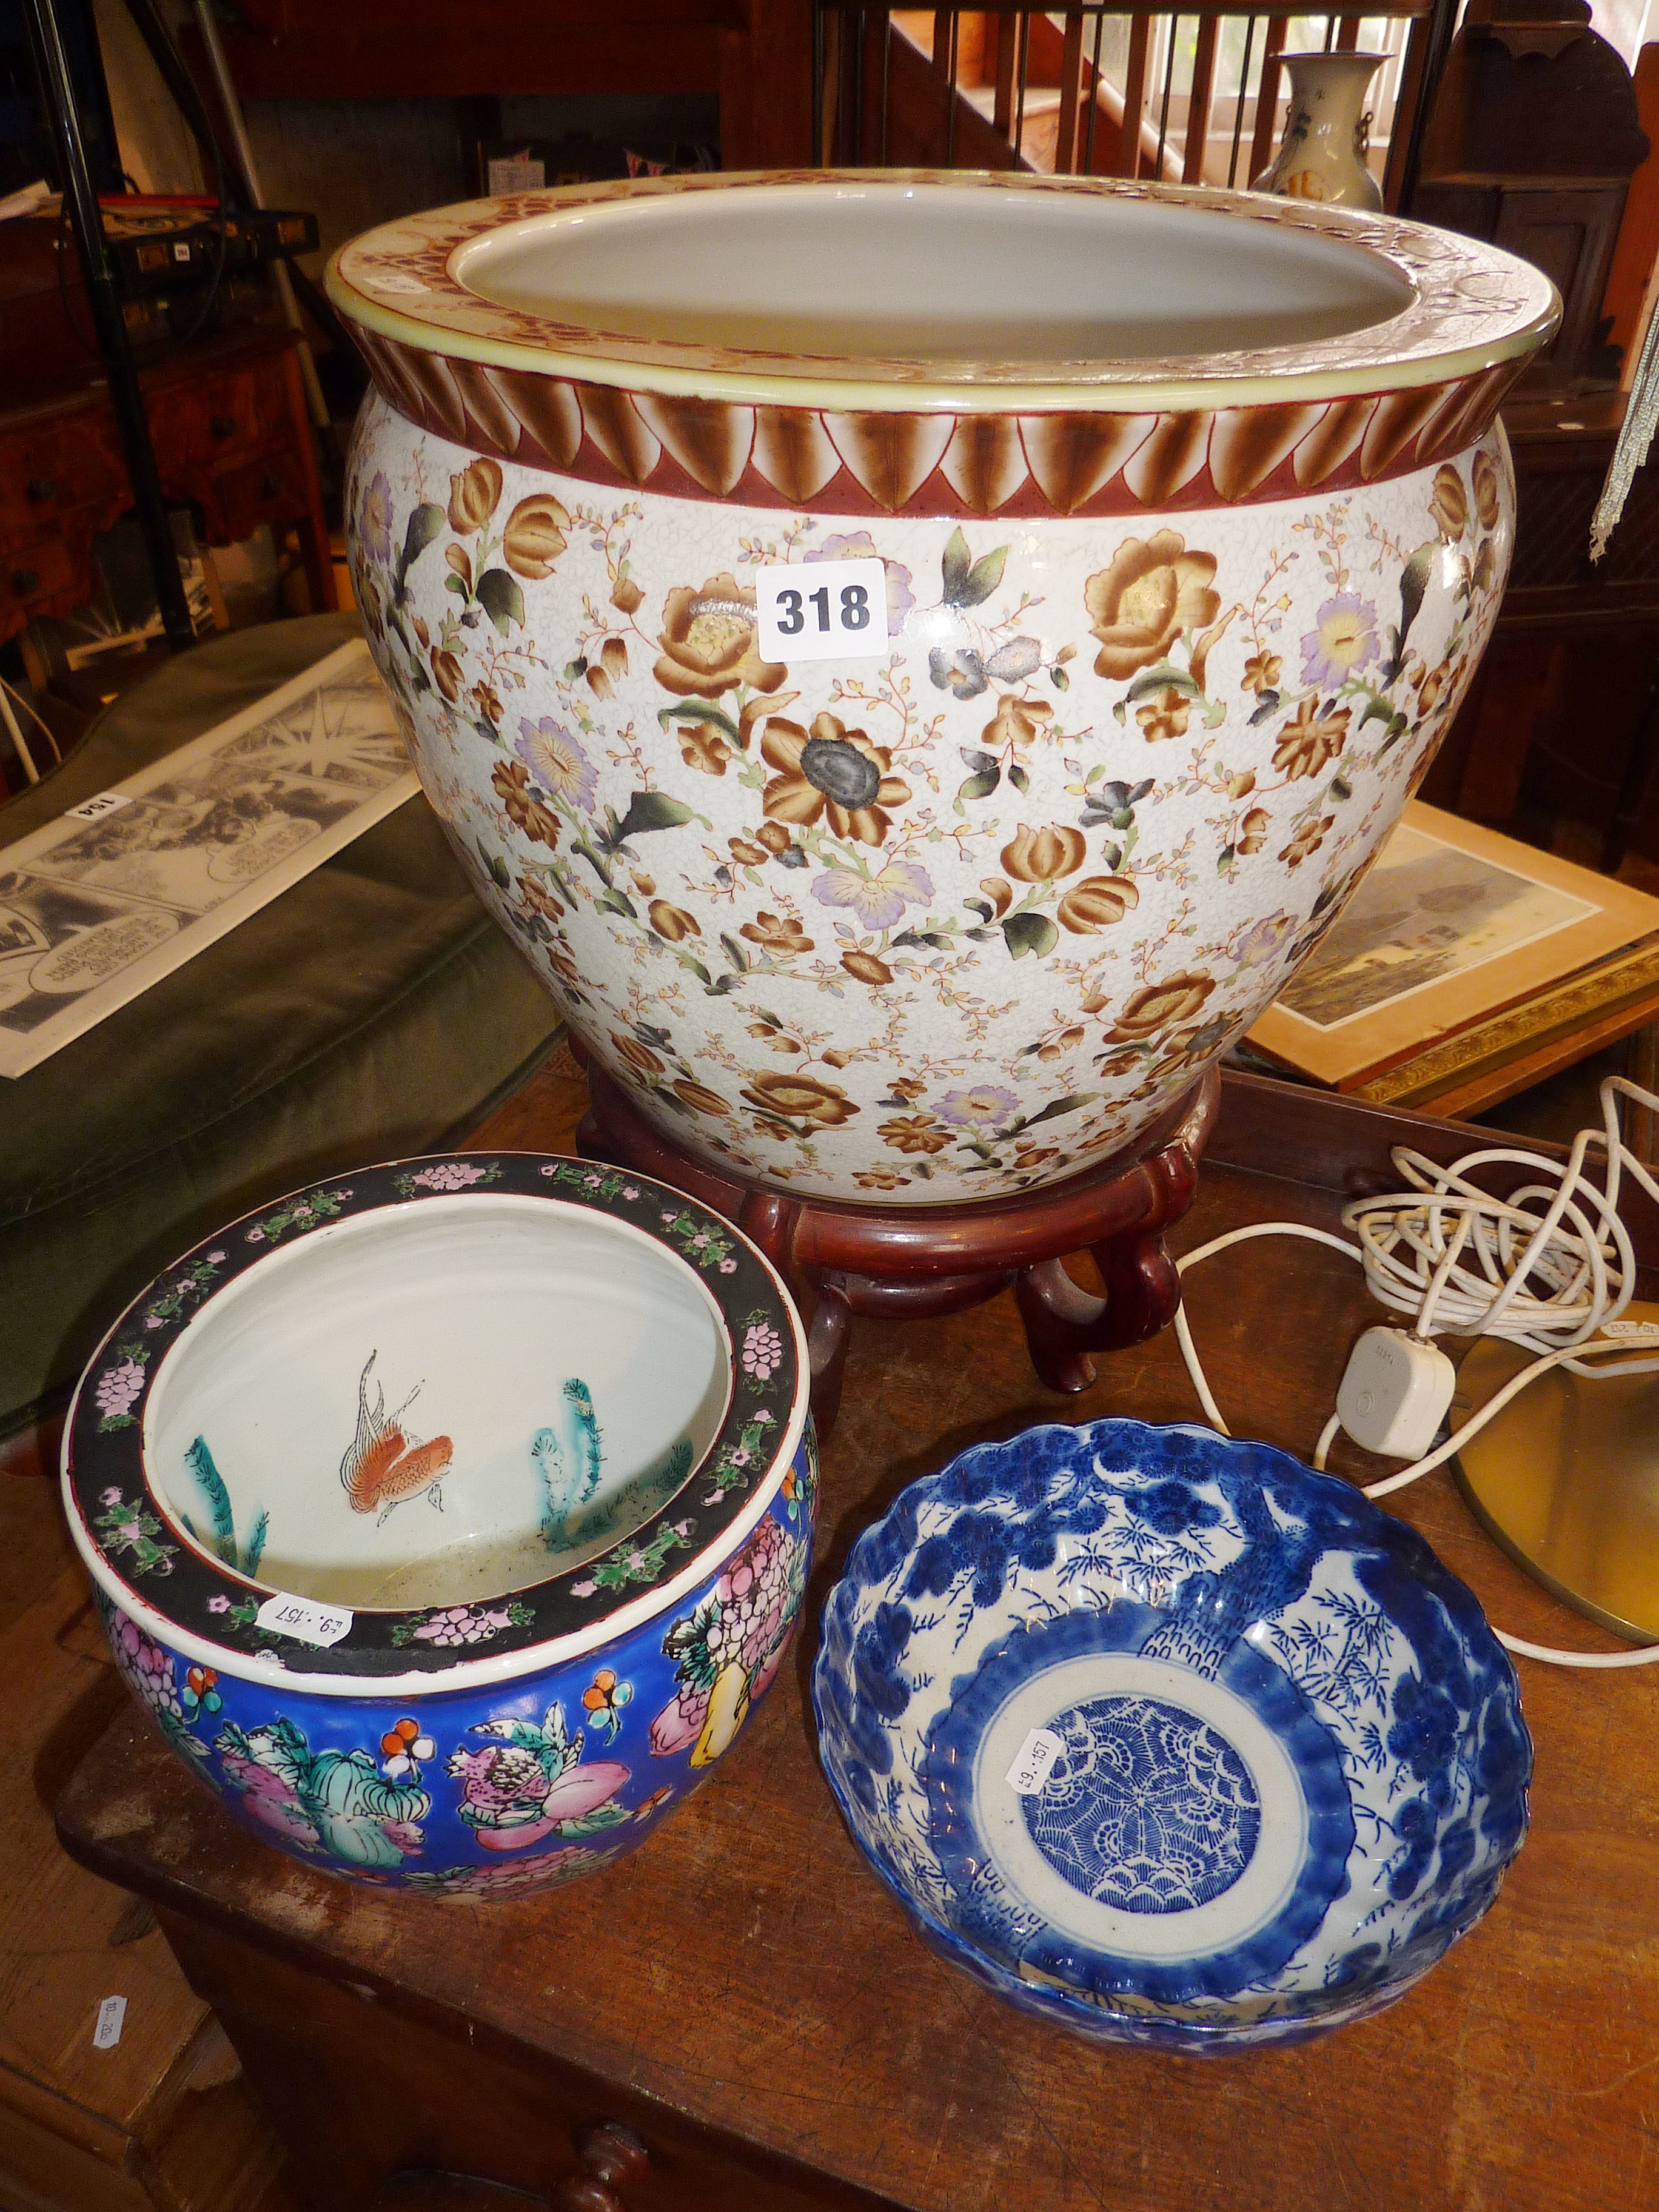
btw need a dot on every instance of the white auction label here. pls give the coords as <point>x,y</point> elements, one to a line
<point>112,2016</point>
<point>103,802</point>
<point>1632,1332</point>
<point>821,610</point>
<point>1036,1757</point>
<point>303,1619</point>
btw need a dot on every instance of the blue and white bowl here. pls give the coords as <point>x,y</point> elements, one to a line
<point>1167,1739</point>
<point>450,1518</point>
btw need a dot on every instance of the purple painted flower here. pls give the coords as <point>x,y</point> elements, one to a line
<point>860,545</point>
<point>152,1321</point>
<point>557,762</point>
<point>451,1175</point>
<point>377,517</point>
<point>728,1267</point>
<point>763,1350</point>
<point>583,1589</point>
<point>256,1236</point>
<point>986,1105</point>
<point>218,1604</point>
<point>213,1258</point>
<point>1264,940</point>
<point>877,901</point>
<point>109,1498</point>
<point>629,1191</point>
<point>118,1387</point>
<point>1344,642</point>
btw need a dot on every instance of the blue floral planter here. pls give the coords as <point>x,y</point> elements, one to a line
<point>482,1744</point>
<point>1164,1739</point>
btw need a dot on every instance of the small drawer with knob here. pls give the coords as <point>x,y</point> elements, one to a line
<point>33,573</point>
<point>269,490</point>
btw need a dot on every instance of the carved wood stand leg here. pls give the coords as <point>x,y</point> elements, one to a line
<point>839,1260</point>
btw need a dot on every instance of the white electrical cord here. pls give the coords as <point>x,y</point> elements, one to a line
<point>1551,1267</point>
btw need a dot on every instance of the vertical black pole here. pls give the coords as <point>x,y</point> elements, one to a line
<point>125,397</point>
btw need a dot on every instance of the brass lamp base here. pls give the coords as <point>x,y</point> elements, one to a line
<point>1566,1478</point>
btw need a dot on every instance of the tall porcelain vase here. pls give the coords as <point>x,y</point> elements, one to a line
<point>1323,153</point>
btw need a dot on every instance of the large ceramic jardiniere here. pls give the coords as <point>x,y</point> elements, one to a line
<point>450,1520</point>
<point>1183,517</point>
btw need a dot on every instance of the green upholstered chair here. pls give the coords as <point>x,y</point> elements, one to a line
<point>371,1011</point>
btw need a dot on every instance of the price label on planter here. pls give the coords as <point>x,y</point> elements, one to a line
<point>823,611</point>
<point>1036,1757</point>
<point>305,1622</point>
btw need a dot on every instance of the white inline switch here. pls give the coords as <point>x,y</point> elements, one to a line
<point>1395,1392</point>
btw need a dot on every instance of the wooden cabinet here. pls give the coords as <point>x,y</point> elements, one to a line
<point>232,437</point>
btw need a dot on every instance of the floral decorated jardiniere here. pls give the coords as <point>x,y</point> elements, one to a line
<point>916,660</point>
<point>450,1519</point>
<point>1166,1739</point>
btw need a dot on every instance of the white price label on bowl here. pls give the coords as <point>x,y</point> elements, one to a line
<point>821,610</point>
<point>1036,1757</point>
<point>303,1619</point>
<point>112,2018</point>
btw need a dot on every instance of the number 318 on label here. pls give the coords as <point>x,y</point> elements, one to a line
<point>823,611</point>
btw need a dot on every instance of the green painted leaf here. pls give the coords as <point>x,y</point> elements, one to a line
<point>1018,777</point>
<point>700,710</point>
<point>954,566</point>
<point>616,901</point>
<point>1029,933</point>
<point>1056,1107</point>
<point>1060,679</point>
<point>453,583</point>
<point>980,787</point>
<point>983,578</point>
<point>648,811</point>
<point>424,524</point>
<point>1166,677</point>
<point>500,598</point>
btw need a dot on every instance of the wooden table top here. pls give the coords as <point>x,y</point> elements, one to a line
<point>746,1970</point>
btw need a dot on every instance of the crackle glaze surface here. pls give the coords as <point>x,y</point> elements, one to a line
<point>962,918</point>
<point>1285,1762</point>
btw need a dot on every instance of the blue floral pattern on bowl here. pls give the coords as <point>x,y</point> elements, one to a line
<point>1163,1737</point>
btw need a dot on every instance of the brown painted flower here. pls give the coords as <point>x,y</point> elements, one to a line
<point>1057,1047</point>
<point>639,1057</point>
<point>782,935</point>
<point>997,892</point>
<point>457,558</point>
<point>598,682</point>
<point>1310,739</point>
<point>1164,715</point>
<point>1261,671</point>
<point>525,806</point>
<point>488,701</point>
<point>1308,839</point>
<point>446,674</point>
<point>1158,1006</point>
<point>699,1097</point>
<point>836,773</point>
<point>1449,504</point>
<point>672,922</point>
<point>1042,856</point>
<point>1242,785</point>
<point>907,1087</point>
<point>1488,503</point>
<point>1028,1157</point>
<point>914,1133</point>
<point>473,495</point>
<point>534,537</point>
<point>745,855</point>
<point>613,654</point>
<point>1252,832</point>
<point>799,1099</point>
<point>879,1179</point>
<point>1485,566</point>
<point>777,1037</point>
<point>626,596</point>
<point>1016,721</point>
<point>1153,590</point>
<point>709,642</point>
<point>1097,903</point>
<point>866,968</point>
<point>1432,689</point>
<point>702,745</point>
<point>539,900</point>
<point>774,836</point>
